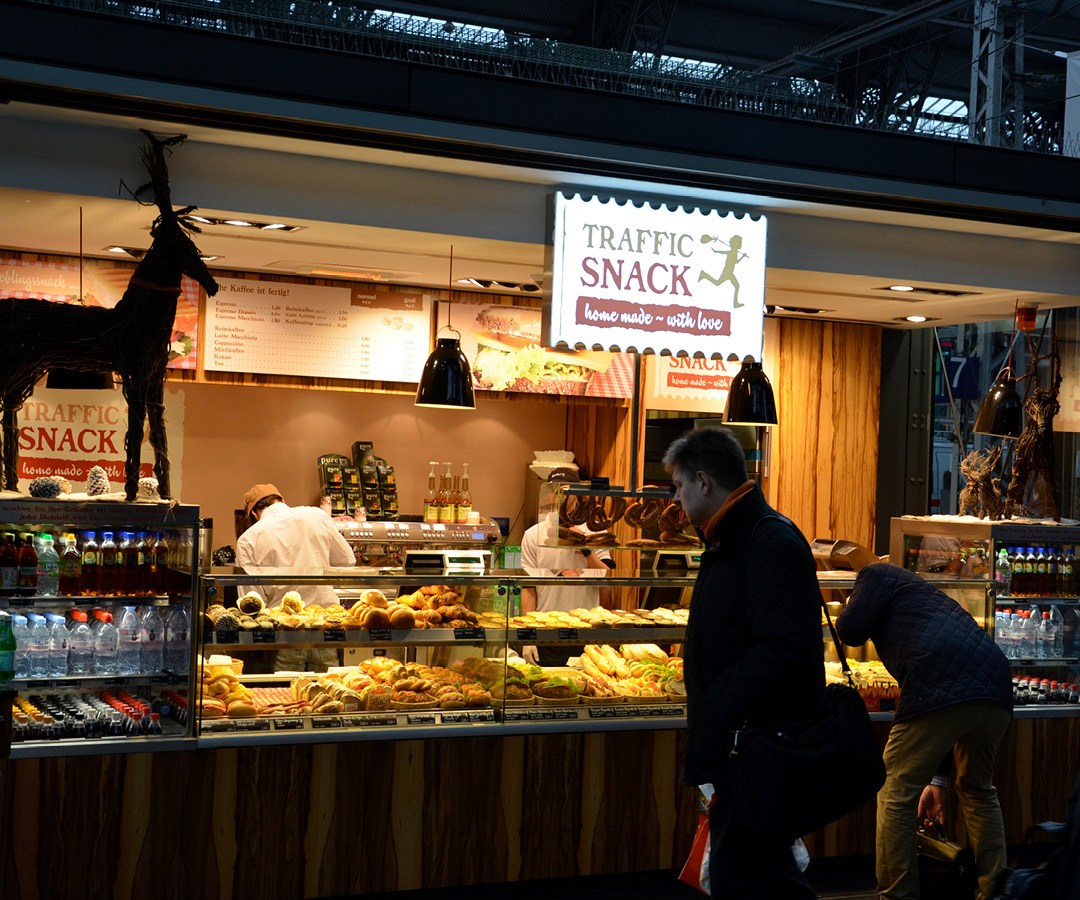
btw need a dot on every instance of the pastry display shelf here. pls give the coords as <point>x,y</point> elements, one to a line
<point>91,600</point>
<point>629,635</point>
<point>53,683</point>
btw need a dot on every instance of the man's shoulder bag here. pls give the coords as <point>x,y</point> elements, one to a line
<point>791,781</point>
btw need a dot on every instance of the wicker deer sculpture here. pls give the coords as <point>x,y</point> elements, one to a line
<point>131,339</point>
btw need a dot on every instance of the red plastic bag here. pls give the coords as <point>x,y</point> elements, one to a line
<point>696,869</point>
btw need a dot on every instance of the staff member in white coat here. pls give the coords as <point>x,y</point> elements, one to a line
<point>301,537</point>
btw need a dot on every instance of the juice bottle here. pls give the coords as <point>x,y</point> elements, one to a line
<point>9,566</point>
<point>70,567</point>
<point>91,564</point>
<point>431,509</point>
<point>27,579</point>
<point>108,571</point>
<point>127,564</point>
<point>464,506</point>
<point>159,566</point>
<point>144,556</point>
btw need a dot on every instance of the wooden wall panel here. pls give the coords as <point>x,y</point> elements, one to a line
<point>282,823</point>
<point>824,462</point>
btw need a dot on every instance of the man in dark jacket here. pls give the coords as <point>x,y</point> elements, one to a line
<point>955,694</point>
<point>753,646</point>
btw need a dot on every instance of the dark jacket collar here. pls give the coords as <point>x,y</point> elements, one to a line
<point>739,518</point>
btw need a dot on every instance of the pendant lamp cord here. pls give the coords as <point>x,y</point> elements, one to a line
<point>948,390</point>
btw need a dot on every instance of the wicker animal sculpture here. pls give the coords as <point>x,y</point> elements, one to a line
<point>132,338</point>
<point>981,495</point>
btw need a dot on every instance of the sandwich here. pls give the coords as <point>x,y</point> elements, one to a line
<point>510,357</point>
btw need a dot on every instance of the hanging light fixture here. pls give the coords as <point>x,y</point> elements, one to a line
<point>750,398</point>
<point>446,382</point>
<point>1002,409</point>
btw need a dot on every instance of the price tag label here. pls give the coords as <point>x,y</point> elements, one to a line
<point>28,602</point>
<point>159,679</point>
<point>253,725</point>
<point>472,633</point>
<point>568,634</point>
<point>326,722</point>
<point>352,721</point>
<point>77,682</point>
<point>31,685</point>
<point>115,682</point>
<point>526,634</point>
<point>379,634</point>
<point>219,727</point>
<point>331,635</point>
<point>226,637</point>
<point>288,724</point>
<point>422,719</point>
<point>263,636</point>
<point>488,715</point>
<point>451,717</point>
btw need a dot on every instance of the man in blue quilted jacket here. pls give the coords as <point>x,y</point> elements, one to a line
<point>955,694</point>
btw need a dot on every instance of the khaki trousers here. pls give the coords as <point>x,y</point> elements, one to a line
<point>914,750</point>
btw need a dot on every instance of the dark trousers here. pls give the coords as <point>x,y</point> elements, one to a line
<point>743,868</point>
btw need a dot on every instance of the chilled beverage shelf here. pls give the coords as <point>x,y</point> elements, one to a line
<point>62,602</point>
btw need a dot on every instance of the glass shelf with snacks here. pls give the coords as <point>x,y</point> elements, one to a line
<point>101,615</point>
<point>574,516</point>
<point>451,673</point>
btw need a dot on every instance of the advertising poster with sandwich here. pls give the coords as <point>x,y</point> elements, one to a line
<point>629,275</point>
<point>504,348</point>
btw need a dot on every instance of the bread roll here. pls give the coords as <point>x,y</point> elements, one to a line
<point>374,617</point>
<point>402,618</point>
<point>374,598</point>
<point>241,708</point>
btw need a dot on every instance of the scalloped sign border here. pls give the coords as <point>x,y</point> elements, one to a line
<point>655,278</point>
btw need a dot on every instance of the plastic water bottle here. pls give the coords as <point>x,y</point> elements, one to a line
<point>1046,637</point>
<point>80,645</point>
<point>152,641</point>
<point>1028,631</point>
<point>21,632</point>
<point>1000,636</point>
<point>48,571</point>
<point>58,645</point>
<point>177,626</point>
<point>7,648</point>
<point>1058,621</point>
<point>1003,572</point>
<point>106,646</point>
<point>129,629</point>
<point>1008,634</point>
<point>38,645</point>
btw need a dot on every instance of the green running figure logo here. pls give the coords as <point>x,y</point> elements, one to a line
<point>733,257</point>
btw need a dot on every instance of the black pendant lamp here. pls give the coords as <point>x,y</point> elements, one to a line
<point>446,382</point>
<point>73,379</point>
<point>1001,412</point>
<point>750,398</point>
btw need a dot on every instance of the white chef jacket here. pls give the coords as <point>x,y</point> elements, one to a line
<point>541,561</point>
<point>301,538</point>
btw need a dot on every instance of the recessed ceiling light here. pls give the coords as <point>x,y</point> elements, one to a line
<point>915,320</point>
<point>901,287</point>
<point>240,222</point>
<point>115,250</point>
<point>245,223</point>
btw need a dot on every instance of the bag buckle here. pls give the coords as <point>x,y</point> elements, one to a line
<point>734,751</point>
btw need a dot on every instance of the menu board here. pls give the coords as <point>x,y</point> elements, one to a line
<point>279,328</point>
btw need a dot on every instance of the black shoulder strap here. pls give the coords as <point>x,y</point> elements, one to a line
<point>845,668</point>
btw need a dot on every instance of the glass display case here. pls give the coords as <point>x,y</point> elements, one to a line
<point>101,611</point>
<point>404,655</point>
<point>1029,575</point>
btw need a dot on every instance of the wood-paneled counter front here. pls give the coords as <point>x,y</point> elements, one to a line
<point>285,822</point>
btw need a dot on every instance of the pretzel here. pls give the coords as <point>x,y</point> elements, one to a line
<point>574,510</point>
<point>644,513</point>
<point>600,517</point>
<point>673,518</point>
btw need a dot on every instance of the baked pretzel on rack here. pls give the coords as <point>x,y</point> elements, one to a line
<point>574,510</point>
<point>644,513</point>
<point>601,517</point>
<point>673,518</point>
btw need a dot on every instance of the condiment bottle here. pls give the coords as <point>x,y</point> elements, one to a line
<point>464,504</point>
<point>446,509</point>
<point>431,507</point>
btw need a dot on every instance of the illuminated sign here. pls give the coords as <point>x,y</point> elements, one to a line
<point>626,275</point>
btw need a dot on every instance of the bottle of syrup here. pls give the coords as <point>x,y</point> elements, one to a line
<point>443,501</point>
<point>464,504</point>
<point>431,508</point>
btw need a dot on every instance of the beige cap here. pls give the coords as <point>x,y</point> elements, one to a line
<point>257,493</point>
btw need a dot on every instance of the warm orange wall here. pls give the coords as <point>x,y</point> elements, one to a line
<point>235,436</point>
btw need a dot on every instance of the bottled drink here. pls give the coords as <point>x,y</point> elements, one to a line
<point>443,500</point>
<point>177,626</point>
<point>38,645</point>
<point>7,648</point>
<point>1031,578</point>
<point>109,574</point>
<point>1044,691</point>
<point>145,544</point>
<point>1069,574</point>
<point>1042,573</point>
<point>1058,621</point>
<point>464,506</point>
<point>80,645</point>
<point>1018,579</point>
<point>106,646</point>
<point>159,566</point>
<point>58,645</point>
<point>9,566</point>
<point>151,641</point>
<point>48,568</point>
<point>123,548</point>
<point>90,562</point>
<point>1070,644</point>
<point>431,498</point>
<point>129,654</point>
<point>1027,649</point>
<point>1003,573</point>
<point>69,574</point>
<point>1045,636</point>
<point>28,562</point>
<point>21,632</point>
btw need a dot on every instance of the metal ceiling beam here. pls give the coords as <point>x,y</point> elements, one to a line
<point>863,36</point>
